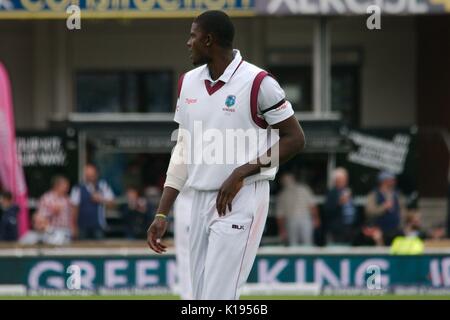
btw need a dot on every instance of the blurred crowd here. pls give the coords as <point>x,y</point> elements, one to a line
<point>385,216</point>
<point>64,214</point>
<point>79,213</point>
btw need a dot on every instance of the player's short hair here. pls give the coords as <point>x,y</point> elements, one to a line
<point>219,24</point>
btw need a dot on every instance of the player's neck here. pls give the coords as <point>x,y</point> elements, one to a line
<point>219,63</point>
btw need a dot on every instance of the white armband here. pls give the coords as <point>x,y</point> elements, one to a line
<point>177,170</point>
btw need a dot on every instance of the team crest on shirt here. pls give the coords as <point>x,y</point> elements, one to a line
<point>230,101</point>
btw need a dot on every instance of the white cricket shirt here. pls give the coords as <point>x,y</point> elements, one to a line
<point>226,121</point>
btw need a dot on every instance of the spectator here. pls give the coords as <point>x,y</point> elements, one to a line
<point>407,245</point>
<point>370,235</point>
<point>340,211</point>
<point>41,232</point>
<point>385,205</point>
<point>8,221</point>
<point>296,212</point>
<point>413,226</point>
<point>134,214</point>
<point>89,200</point>
<point>438,231</point>
<point>410,241</point>
<point>55,207</point>
<point>52,221</point>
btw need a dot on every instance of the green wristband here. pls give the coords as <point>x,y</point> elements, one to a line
<point>160,215</point>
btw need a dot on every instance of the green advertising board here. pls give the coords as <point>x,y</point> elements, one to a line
<point>143,271</point>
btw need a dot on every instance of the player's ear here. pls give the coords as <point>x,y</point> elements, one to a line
<point>209,40</point>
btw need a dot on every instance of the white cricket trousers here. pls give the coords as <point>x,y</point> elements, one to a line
<point>223,249</point>
<point>182,216</point>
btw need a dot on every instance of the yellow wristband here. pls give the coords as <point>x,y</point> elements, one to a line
<point>160,215</point>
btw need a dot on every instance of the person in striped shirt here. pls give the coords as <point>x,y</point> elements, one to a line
<point>55,205</point>
<point>52,220</point>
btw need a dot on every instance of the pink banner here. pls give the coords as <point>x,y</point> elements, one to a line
<point>11,173</point>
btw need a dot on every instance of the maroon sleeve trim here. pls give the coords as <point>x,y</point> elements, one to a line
<point>254,99</point>
<point>180,84</point>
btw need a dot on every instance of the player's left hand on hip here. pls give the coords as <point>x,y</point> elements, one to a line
<point>227,192</point>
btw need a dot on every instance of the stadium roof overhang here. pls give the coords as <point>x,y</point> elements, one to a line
<point>155,133</point>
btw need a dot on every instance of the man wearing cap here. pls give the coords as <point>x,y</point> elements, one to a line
<point>386,206</point>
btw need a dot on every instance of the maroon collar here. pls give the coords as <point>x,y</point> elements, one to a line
<point>219,84</point>
<point>213,88</point>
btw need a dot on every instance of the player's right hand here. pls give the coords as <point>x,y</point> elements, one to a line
<point>155,233</point>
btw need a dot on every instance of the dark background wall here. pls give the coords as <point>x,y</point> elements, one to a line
<point>433,102</point>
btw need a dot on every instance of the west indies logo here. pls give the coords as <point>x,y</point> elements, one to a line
<point>230,101</point>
